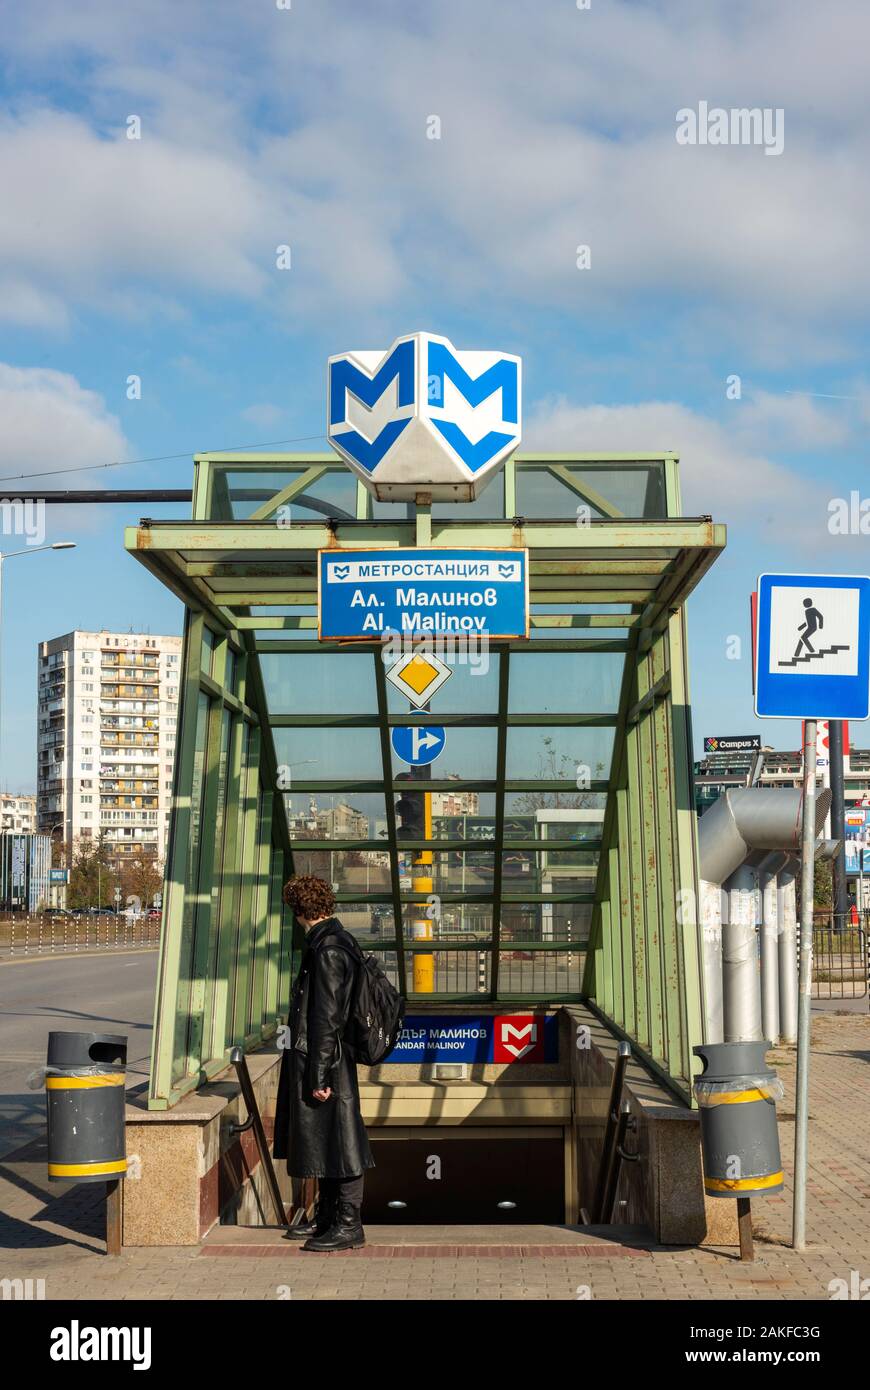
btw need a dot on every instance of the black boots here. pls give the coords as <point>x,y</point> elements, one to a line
<point>345,1233</point>
<point>320,1223</point>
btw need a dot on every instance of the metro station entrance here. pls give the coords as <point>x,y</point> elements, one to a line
<point>516,1177</point>
<point>538,862</point>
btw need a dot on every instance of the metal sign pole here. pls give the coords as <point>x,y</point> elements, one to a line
<point>838,825</point>
<point>801,1136</point>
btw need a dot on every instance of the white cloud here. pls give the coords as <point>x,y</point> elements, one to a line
<point>50,422</point>
<point>308,127</point>
<point>720,473</point>
<point>263,415</point>
<point>791,420</point>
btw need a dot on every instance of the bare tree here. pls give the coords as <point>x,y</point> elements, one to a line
<point>555,766</point>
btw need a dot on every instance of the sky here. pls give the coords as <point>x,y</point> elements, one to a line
<point>720,310</point>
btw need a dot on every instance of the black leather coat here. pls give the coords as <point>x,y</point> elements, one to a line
<point>322,1139</point>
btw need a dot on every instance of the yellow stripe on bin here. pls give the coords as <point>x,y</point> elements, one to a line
<point>80,1170</point>
<point>741,1184</point>
<point>84,1083</point>
<point>734,1097</point>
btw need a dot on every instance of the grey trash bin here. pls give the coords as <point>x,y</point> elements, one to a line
<point>737,1094</point>
<point>85,1096</point>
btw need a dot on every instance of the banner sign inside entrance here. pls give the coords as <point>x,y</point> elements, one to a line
<point>477,1038</point>
<point>372,594</point>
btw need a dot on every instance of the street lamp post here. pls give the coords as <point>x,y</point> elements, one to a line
<point>12,555</point>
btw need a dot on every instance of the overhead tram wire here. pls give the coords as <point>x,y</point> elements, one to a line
<point>159,458</point>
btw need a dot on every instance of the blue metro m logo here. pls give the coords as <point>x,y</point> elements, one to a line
<point>502,376</point>
<point>346,379</point>
<point>424,418</point>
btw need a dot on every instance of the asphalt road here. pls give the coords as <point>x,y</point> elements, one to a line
<point>112,992</point>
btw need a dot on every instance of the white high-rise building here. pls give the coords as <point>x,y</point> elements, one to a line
<point>107,724</point>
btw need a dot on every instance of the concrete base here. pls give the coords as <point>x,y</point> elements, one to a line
<point>187,1170</point>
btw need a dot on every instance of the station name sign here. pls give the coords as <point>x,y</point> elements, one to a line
<point>478,1038</point>
<point>746,743</point>
<point>369,594</point>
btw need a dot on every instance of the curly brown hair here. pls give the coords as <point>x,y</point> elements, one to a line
<point>309,897</point>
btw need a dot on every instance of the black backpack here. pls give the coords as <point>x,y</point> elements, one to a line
<point>377,1009</point>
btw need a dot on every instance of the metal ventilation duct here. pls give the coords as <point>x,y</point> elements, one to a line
<point>746,819</point>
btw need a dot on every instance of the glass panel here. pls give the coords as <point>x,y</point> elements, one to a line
<point>209,641</point>
<point>320,816</point>
<point>455,871</point>
<point>289,634</point>
<point>188,923</point>
<point>575,756</point>
<point>359,871</point>
<point>551,819</point>
<point>256,833</point>
<point>218,887</point>
<point>567,868</point>
<point>565,682</point>
<point>540,972</point>
<point>455,815</point>
<point>448,972</point>
<point>319,683</point>
<point>468,753</point>
<point>450,922</point>
<point>231,676</point>
<point>336,491</point>
<point>464,816</point>
<point>472,688</point>
<point>547,921</point>
<point>569,629</point>
<point>488,505</point>
<point>312,755</point>
<point>636,491</point>
<point>368,921</point>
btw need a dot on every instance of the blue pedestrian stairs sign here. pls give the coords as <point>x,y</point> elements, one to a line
<point>813,646</point>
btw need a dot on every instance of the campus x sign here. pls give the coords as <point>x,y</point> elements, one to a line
<point>423,417</point>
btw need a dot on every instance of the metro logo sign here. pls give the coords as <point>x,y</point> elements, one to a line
<point>518,1038</point>
<point>423,417</point>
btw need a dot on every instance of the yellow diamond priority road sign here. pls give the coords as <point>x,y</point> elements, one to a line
<point>418,675</point>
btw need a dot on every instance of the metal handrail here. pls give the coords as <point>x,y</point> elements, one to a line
<point>618,1156</point>
<point>254,1121</point>
<point>611,1135</point>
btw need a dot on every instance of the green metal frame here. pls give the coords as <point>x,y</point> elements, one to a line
<point>226,954</point>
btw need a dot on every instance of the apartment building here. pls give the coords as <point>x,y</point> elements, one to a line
<point>339,822</point>
<point>17,812</point>
<point>107,724</point>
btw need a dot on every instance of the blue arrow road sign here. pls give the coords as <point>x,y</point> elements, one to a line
<point>813,646</point>
<point>418,745</point>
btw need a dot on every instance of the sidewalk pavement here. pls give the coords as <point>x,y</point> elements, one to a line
<point>53,1233</point>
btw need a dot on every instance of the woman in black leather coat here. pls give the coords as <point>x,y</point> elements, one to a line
<point>318,1126</point>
